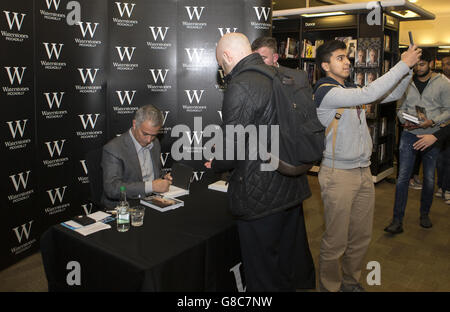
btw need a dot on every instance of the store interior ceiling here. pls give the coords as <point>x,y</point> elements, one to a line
<point>434,6</point>
<point>428,33</point>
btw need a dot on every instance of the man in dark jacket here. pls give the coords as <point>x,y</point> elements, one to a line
<point>267,48</point>
<point>266,204</point>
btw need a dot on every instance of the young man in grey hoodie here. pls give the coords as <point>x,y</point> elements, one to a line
<point>345,179</point>
<point>431,92</point>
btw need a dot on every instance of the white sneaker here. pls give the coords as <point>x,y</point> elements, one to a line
<point>438,193</point>
<point>447,197</point>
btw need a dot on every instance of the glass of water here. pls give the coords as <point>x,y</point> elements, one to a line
<point>137,215</point>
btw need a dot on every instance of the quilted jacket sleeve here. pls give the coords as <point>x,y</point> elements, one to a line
<point>236,110</point>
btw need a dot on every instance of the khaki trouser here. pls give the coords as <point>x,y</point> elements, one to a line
<point>348,196</point>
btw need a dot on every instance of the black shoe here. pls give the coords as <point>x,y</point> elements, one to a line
<point>394,228</point>
<point>425,222</point>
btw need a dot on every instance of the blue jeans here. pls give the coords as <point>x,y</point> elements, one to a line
<point>443,168</point>
<point>407,157</point>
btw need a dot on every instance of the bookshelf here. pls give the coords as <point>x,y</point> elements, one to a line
<point>372,50</point>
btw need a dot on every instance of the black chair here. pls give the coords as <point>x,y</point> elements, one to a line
<point>95,174</point>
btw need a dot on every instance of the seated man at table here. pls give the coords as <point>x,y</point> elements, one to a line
<point>133,159</point>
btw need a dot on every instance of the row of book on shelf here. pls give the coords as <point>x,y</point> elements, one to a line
<point>365,50</point>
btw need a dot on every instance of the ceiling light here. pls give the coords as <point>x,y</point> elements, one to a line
<point>405,14</point>
<point>323,14</point>
<point>444,47</point>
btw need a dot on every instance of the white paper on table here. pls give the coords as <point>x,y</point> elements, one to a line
<point>92,228</point>
<point>98,215</point>
<point>175,191</point>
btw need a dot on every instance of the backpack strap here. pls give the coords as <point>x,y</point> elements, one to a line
<point>334,124</point>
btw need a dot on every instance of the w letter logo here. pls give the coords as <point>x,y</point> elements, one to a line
<point>194,11</point>
<point>260,11</point>
<point>15,20</point>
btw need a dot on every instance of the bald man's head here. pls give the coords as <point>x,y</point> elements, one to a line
<point>232,48</point>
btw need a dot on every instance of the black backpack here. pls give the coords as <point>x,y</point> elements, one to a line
<point>302,136</point>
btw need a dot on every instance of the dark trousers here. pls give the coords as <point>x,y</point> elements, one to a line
<point>275,252</point>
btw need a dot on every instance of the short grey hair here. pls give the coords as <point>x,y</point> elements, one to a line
<point>149,112</point>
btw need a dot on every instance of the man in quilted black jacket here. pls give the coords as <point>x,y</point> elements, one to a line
<point>266,204</point>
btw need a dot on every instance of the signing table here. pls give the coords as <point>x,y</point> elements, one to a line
<point>191,248</point>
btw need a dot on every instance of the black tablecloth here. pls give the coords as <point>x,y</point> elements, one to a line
<point>192,248</point>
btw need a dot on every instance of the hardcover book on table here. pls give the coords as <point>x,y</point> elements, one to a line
<point>161,203</point>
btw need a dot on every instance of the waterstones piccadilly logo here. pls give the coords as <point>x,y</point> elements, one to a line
<point>262,14</point>
<point>83,179</point>
<point>158,36</point>
<point>54,101</point>
<point>15,75</point>
<point>51,13</point>
<point>53,53</point>
<point>158,80</point>
<point>56,197</point>
<point>124,100</point>
<point>89,122</point>
<point>125,54</point>
<point>15,22</point>
<point>197,59</point>
<point>220,79</point>
<point>20,183</point>
<point>194,98</point>
<point>125,11</point>
<point>194,13</point>
<point>22,233</point>
<point>17,130</point>
<point>55,149</point>
<point>197,176</point>
<point>87,31</point>
<point>165,129</point>
<point>88,76</point>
